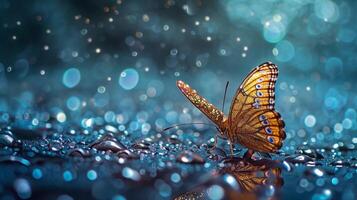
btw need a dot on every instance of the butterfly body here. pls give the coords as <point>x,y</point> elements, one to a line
<point>252,120</point>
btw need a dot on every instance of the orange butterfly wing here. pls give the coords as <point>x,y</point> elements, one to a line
<point>213,113</point>
<point>252,120</point>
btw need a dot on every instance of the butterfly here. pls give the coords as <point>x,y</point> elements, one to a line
<point>252,120</point>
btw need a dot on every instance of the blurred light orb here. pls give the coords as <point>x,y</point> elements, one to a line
<point>73,103</point>
<point>171,117</point>
<point>351,113</point>
<point>310,121</point>
<point>67,176</point>
<point>21,67</point>
<point>346,35</point>
<point>347,123</point>
<point>304,58</point>
<point>131,174</point>
<point>101,100</point>
<point>71,77</point>
<point>37,173</point>
<point>92,175</point>
<point>109,116</point>
<point>61,117</point>
<point>215,192</point>
<point>23,188</point>
<point>326,10</point>
<point>128,79</point>
<point>338,128</point>
<point>175,177</point>
<point>145,128</point>
<point>185,118</point>
<point>333,66</point>
<point>274,31</point>
<point>284,51</point>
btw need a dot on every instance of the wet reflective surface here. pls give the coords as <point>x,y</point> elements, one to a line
<point>111,166</point>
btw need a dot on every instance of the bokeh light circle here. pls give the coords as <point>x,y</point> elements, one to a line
<point>71,77</point>
<point>128,79</point>
<point>310,121</point>
<point>274,31</point>
<point>73,103</point>
<point>333,66</point>
<point>326,10</point>
<point>284,51</point>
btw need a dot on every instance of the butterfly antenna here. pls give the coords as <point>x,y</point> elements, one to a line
<point>224,97</point>
<point>185,124</point>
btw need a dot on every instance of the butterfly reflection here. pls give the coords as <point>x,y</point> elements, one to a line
<point>254,178</point>
<point>252,175</point>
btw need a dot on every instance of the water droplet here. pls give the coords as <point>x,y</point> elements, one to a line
<point>111,128</point>
<point>80,152</point>
<point>143,147</point>
<point>217,153</point>
<point>287,166</point>
<point>312,153</point>
<point>6,138</point>
<point>299,159</point>
<point>340,163</point>
<point>15,159</point>
<point>126,153</point>
<point>173,139</point>
<point>190,157</point>
<point>55,145</point>
<point>108,143</point>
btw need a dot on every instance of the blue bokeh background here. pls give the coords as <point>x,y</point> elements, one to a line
<point>118,59</point>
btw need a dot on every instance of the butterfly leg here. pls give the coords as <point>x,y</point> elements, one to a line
<point>248,154</point>
<point>231,147</point>
<point>215,140</point>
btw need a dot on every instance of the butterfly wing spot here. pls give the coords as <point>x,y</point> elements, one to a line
<point>258,86</point>
<point>265,122</point>
<point>256,105</point>
<point>262,117</point>
<point>270,139</point>
<point>268,130</point>
<point>259,93</point>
